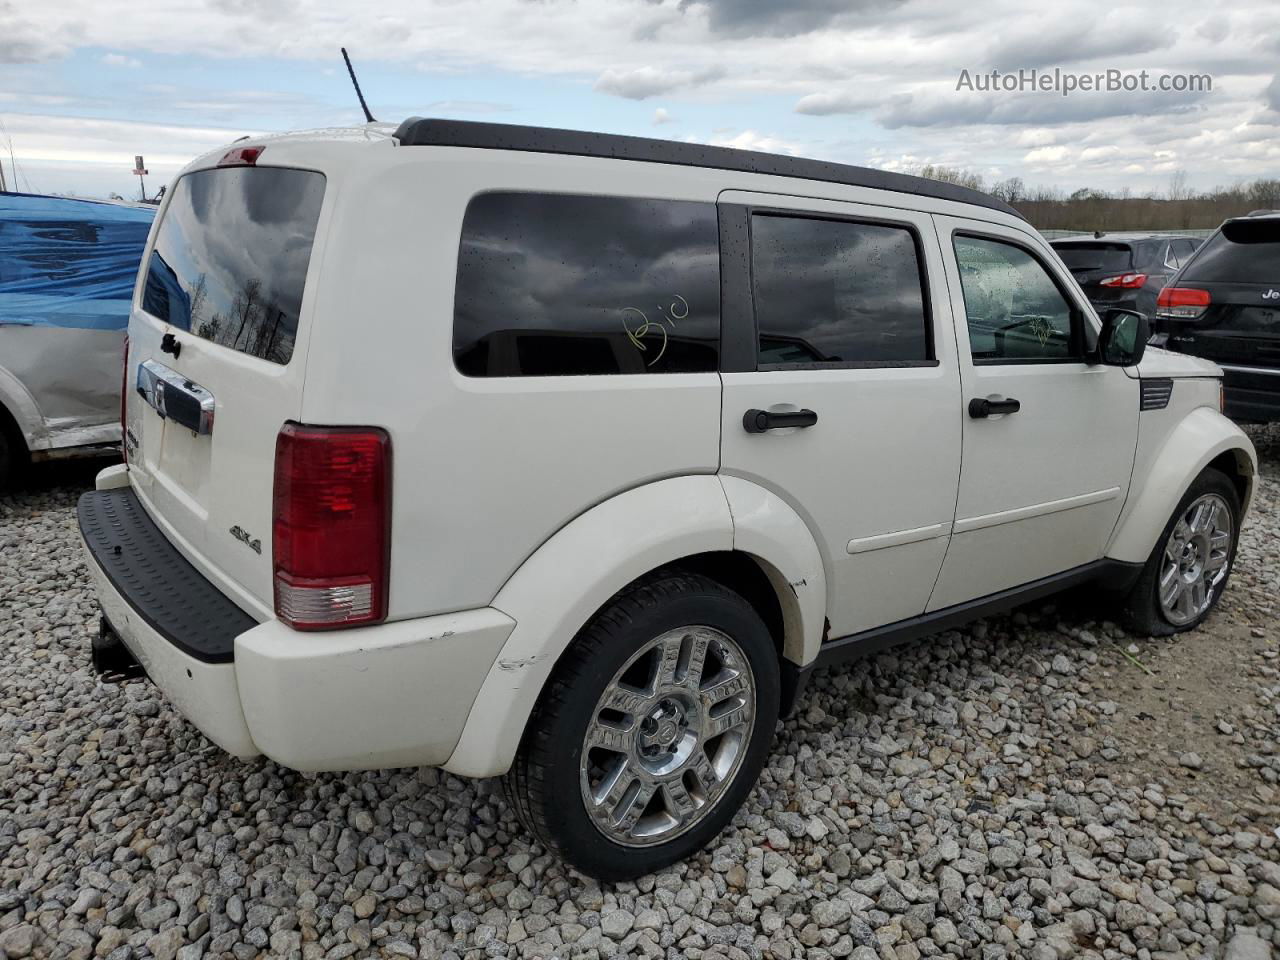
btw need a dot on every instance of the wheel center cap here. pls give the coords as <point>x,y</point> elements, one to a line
<point>663,726</point>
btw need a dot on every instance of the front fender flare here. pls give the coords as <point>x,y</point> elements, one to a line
<point>1203,435</point>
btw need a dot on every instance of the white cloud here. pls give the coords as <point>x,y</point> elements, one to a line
<point>834,101</point>
<point>120,60</point>
<point>661,116</point>
<point>1047,155</point>
<point>874,79</point>
<point>752,140</point>
<point>647,81</point>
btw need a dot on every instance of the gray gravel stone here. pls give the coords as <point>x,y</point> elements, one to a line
<point>967,795</point>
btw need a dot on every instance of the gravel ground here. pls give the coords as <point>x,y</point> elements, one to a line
<point>1038,785</point>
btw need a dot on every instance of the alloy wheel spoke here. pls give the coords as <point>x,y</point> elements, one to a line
<point>1170,586</point>
<point>679,801</point>
<point>604,736</point>
<point>614,786</point>
<point>632,806</point>
<point>1199,594</point>
<point>625,700</point>
<point>668,657</point>
<point>722,722</point>
<point>722,687</point>
<point>695,658</point>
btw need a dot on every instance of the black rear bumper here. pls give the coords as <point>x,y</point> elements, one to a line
<point>157,581</point>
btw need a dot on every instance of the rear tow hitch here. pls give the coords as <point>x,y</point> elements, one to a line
<point>112,660</point>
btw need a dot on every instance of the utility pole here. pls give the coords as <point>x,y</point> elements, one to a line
<point>140,171</point>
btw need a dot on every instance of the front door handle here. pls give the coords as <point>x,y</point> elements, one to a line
<point>758,421</point>
<point>980,407</point>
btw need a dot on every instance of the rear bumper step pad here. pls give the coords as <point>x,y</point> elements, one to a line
<point>157,581</point>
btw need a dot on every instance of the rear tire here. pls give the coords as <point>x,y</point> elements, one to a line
<point>652,730</point>
<point>1191,563</point>
<point>8,461</point>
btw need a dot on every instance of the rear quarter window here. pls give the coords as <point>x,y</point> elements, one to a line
<point>568,285</point>
<point>231,256</point>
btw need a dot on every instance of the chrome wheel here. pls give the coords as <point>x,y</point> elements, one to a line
<point>1194,562</point>
<point>667,736</point>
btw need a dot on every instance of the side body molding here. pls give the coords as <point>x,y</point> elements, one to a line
<point>1200,437</point>
<point>568,579</point>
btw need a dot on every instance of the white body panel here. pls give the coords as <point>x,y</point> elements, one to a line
<point>1041,488</point>
<point>522,505</point>
<point>59,385</point>
<point>875,478</point>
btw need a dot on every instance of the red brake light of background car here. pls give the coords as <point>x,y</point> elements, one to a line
<point>1128,281</point>
<point>241,157</point>
<point>331,526</point>
<point>1182,303</point>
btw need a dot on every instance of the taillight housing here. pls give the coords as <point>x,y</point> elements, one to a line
<point>124,397</point>
<point>331,526</point>
<point>1126,281</point>
<point>1182,303</point>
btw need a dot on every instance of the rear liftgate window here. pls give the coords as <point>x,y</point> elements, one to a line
<point>231,257</point>
<point>560,285</point>
<point>1244,251</point>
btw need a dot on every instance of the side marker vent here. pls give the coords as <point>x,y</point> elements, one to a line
<point>1156,393</point>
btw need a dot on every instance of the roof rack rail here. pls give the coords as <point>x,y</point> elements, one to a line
<point>420,132</point>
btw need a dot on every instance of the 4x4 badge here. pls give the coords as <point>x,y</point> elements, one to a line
<point>253,543</point>
<point>1271,295</point>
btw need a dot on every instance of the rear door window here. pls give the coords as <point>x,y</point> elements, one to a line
<point>837,293</point>
<point>567,285</point>
<point>231,255</point>
<point>1243,251</point>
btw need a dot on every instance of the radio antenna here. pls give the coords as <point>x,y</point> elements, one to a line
<point>356,83</point>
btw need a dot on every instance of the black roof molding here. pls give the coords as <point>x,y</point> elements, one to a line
<point>420,132</point>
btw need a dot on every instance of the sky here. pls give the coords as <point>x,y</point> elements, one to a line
<point>87,84</point>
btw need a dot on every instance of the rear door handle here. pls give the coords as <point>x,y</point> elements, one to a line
<point>758,421</point>
<point>980,407</point>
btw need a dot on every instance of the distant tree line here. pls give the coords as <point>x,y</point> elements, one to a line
<point>1178,208</point>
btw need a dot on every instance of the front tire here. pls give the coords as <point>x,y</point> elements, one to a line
<point>1189,567</point>
<point>652,730</point>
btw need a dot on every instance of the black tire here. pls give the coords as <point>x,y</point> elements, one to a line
<point>8,461</point>
<point>544,785</point>
<point>1142,610</point>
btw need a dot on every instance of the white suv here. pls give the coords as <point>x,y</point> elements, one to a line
<point>567,456</point>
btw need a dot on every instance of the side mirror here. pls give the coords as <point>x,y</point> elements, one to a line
<point>1123,339</point>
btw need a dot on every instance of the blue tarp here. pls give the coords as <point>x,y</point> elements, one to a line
<point>69,263</point>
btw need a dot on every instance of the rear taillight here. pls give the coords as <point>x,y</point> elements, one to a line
<point>331,525</point>
<point>124,397</point>
<point>1182,303</point>
<point>1126,281</point>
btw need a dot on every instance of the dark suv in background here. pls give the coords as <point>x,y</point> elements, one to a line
<point>1124,270</point>
<point>1224,305</point>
